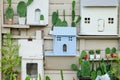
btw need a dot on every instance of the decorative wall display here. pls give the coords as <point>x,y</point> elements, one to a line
<point>37,12</point>
<point>99,17</point>
<point>64,42</point>
<point>31,52</point>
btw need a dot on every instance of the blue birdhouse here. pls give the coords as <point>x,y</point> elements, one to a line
<point>64,41</point>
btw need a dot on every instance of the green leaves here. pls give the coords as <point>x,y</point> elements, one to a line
<point>73,5</point>
<point>29,2</point>
<point>54,18</point>
<point>74,67</point>
<point>48,78</point>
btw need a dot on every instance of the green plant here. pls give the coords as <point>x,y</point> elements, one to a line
<point>62,77</point>
<point>98,51</point>
<point>91,52</point>
<point>9,2</point>
<point>64,23</point>
<point>85,68</point>
<point>27,78</point>
<point>116,67</point>
<point>113,50</point>
<point>107,50</point>
<point>22,8</point>
<point>42,17</point>
<point>9,13</point>
<point>73,24</point>
<point>93,72</point>
<point>39,77</point>
<point>10,58</point>
<point>48,78</point>
<point>83,55</point>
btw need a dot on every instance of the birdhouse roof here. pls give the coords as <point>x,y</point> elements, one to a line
<point>99,2</point>
<point>64,31</point>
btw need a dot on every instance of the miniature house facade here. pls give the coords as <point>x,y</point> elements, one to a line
<point>32,57</point>
<point>64,41</point>
<point>35,10</point>
<point>99,17</point>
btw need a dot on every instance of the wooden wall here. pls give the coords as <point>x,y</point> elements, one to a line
<point>54,64</point>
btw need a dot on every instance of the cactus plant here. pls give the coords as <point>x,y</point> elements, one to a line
<point>62,77</point>
<point>107,50</point>
<point>91,52</point>
<point>73,24</point>
<point>64,23</point>
<point>85,68</point>
<point>98,51</point>
<point>48,78</point>
<point>113,50</point>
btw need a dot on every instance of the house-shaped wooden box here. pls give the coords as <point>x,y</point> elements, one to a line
<point>64,42</point>
<point>32,57</point>
<point>99,17</point>
<point>35,10</point>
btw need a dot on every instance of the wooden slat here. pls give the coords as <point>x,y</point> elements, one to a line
<point>15,26</point>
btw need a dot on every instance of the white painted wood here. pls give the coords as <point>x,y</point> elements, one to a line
<point>15,26</point>
<point>31,49</point>
<point>37,8</point>
<point>92,15</point>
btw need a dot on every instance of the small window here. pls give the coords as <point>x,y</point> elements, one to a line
<point>58,38</point>
<point>87,20</point>
<point>32,69</point>
<point>70,38</point>
<point>110,20</point>
<point>64,48</point>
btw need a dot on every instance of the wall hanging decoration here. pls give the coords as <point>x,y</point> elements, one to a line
<point>99,17</point>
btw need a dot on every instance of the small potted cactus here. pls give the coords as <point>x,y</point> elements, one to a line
<point>91,54</point>
<point>107,52</point>
<point>98,51</point>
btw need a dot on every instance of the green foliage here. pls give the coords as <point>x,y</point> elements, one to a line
<point>107,50</point>
<point>85,68</point>
<point>22,9</point>
<point>10,58</point>
<point>54,18</point>
<point>93,75</point>
<point>48,78</point>
<point>39,77</point>
<point>9,2</point>
<point>64,22</point>
<point>62,77</point>
<point>9,13</point>
<point>27,78</point>
<point>91,52</point>
<point>29,2</point>
<point>74,67</point>
<point>82,53</point>
<point>116,68</point>
<point>103,67</point>
<point>99,72</point>
<point>73,24</point>
<point>113,50</point>
<point>41,17</point>
<point>98,51</point>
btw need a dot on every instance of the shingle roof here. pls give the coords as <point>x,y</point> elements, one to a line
<point>99,2</point>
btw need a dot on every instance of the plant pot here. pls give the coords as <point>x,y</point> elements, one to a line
<point>10,21</point>
<point>98,56</point>
<point>84,78</point>
<point>22,20</point>
<point>42,22</point>
<point>92,56</point>
<point>108,55</point>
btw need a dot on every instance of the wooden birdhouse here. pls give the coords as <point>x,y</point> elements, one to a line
<point>32,57</point>
<point>37,12</point>
<point>64,42</point>
<point>99,17</point>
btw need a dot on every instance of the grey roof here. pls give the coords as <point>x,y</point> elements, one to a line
<point>99,2</point>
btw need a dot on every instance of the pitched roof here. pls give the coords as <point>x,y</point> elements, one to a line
<point>65,31</point>
<point>99,2</point>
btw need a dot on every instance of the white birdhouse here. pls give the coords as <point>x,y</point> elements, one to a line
<point>99,17</point>
<point>35,10</point>
<point>32,57</point>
